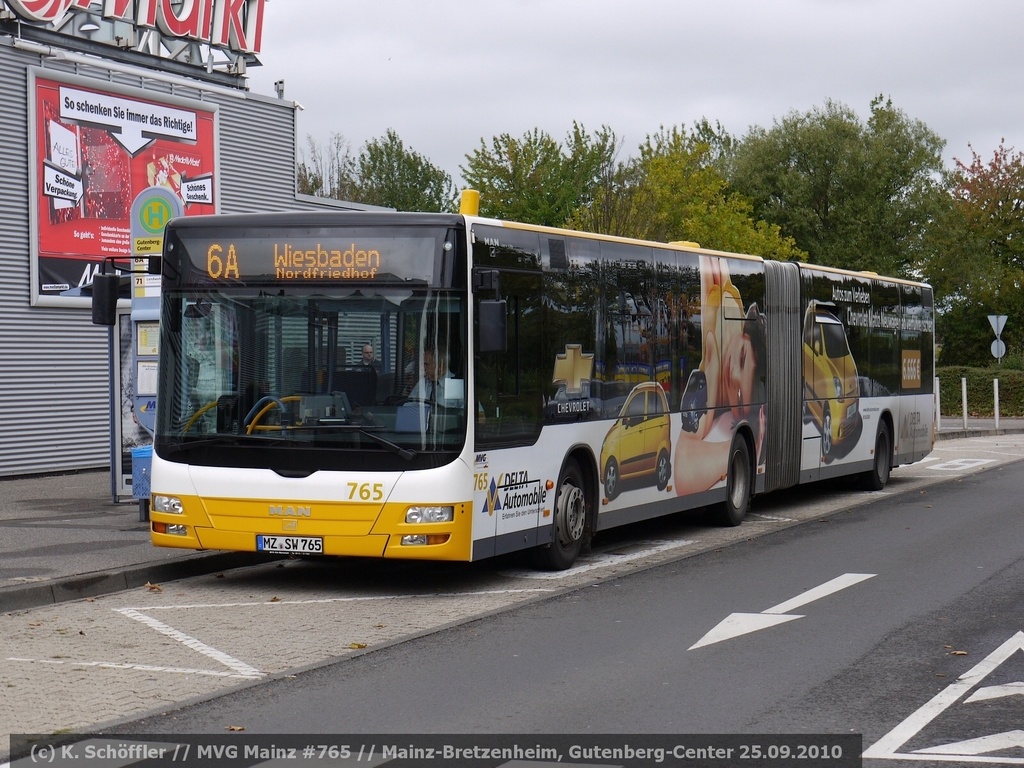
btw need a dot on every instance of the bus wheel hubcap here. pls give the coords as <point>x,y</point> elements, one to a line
<point>570,514</point>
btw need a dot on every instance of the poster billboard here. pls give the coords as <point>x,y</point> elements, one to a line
<point>95,148</point>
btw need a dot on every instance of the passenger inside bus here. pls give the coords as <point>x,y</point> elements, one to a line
<point>370,359</point>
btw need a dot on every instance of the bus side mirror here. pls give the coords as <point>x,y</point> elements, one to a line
<point>105,287</point>
<point>493,326</point>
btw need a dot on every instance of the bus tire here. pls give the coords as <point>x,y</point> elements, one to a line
<point>739,484</point>
<point>570,512</point>
<point>876,477</point>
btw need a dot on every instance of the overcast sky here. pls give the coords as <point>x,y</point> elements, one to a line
<point>444,74</point>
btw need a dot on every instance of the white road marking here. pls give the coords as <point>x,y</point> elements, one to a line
<point>960,465</point>
<point>888,746</point>
<point>598,561</point>
<point>773,518</point>
<point>136,667</point>
<point>323,600</point>
<point>980,746</point>
<point>823,590</point>
<point>239,667</point>
<point>996,692</point>
<point>737,624</point>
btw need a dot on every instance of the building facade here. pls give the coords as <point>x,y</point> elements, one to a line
<point>87,124</point>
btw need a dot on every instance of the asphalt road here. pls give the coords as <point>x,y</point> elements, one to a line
<point>869,619</point>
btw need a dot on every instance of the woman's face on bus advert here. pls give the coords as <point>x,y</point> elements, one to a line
<point>739,361</point>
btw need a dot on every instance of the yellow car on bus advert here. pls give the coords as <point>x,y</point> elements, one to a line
<point>831,383</point>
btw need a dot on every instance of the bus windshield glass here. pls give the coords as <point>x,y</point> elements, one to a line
<point>267,368</point>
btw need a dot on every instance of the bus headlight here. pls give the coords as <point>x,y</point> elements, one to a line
<point>170,504</point>
<point>429,514</point>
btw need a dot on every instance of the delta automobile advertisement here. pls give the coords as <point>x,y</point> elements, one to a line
<point>96,149</point>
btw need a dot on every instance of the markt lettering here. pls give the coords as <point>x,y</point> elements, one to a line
<point>233,24</point>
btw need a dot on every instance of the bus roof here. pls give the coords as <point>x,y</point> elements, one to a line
<point>673,246</point>
<point>317,219</point>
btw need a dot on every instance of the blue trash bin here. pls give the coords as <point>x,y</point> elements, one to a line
<point>142,462</point>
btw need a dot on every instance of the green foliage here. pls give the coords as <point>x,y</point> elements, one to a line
<point>535,179</point>
<point>674,190</point>
<point>850,194</point>
<point>393,176</point>
<point>823,186</point>
<point>980,391</point>
<point>966,335</point>
<point>975,256</point>
<point>386,173</point>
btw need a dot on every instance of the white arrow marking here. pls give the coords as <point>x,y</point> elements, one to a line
<point>737,624</point>
<point>826,589</point>
<point>979,746</point>
<point>996,692</point>
<point>888,745</point>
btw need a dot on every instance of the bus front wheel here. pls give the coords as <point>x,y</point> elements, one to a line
<point>570,510</point>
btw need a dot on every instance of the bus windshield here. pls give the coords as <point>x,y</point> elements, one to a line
<point>301,377</point>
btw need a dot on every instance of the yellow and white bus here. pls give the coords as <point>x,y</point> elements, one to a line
<point>449,387</point>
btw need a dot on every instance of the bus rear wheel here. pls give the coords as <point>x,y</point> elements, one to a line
<point>876,477</point>
<point>570,508</point>
<point>739,484</point>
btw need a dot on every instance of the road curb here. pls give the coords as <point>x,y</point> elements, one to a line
<point>97,583</point>
<point>959,434</point>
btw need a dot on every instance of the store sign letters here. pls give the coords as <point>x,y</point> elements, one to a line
<point>233,24</point>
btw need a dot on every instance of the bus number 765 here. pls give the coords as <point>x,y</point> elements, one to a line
<point>365,491</point>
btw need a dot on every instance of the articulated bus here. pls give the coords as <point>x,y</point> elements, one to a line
<point>449,387</point>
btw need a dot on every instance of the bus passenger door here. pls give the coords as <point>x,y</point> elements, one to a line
<point>508,416</point>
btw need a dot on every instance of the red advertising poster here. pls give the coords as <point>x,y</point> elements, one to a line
<point>96,149</point>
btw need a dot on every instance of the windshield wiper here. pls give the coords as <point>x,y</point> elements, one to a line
<point>405,453</point>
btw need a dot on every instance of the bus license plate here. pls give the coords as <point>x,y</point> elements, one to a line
<point>290,545</point>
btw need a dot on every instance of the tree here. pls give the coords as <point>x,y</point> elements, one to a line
<point>674,191</point>
<point>329,171</point>
<point>975,257</point>
<point>850,194</point>
<point>537,180</point>
<point>385,173</point>
<point>393,176</point>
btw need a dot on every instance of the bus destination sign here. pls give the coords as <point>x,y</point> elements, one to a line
<point>300,264</point>
<point>313,259</point>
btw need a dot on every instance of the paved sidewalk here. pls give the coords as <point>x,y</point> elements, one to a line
<point>63,538</point>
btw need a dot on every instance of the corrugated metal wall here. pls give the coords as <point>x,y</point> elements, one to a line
<point>54,369</point>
